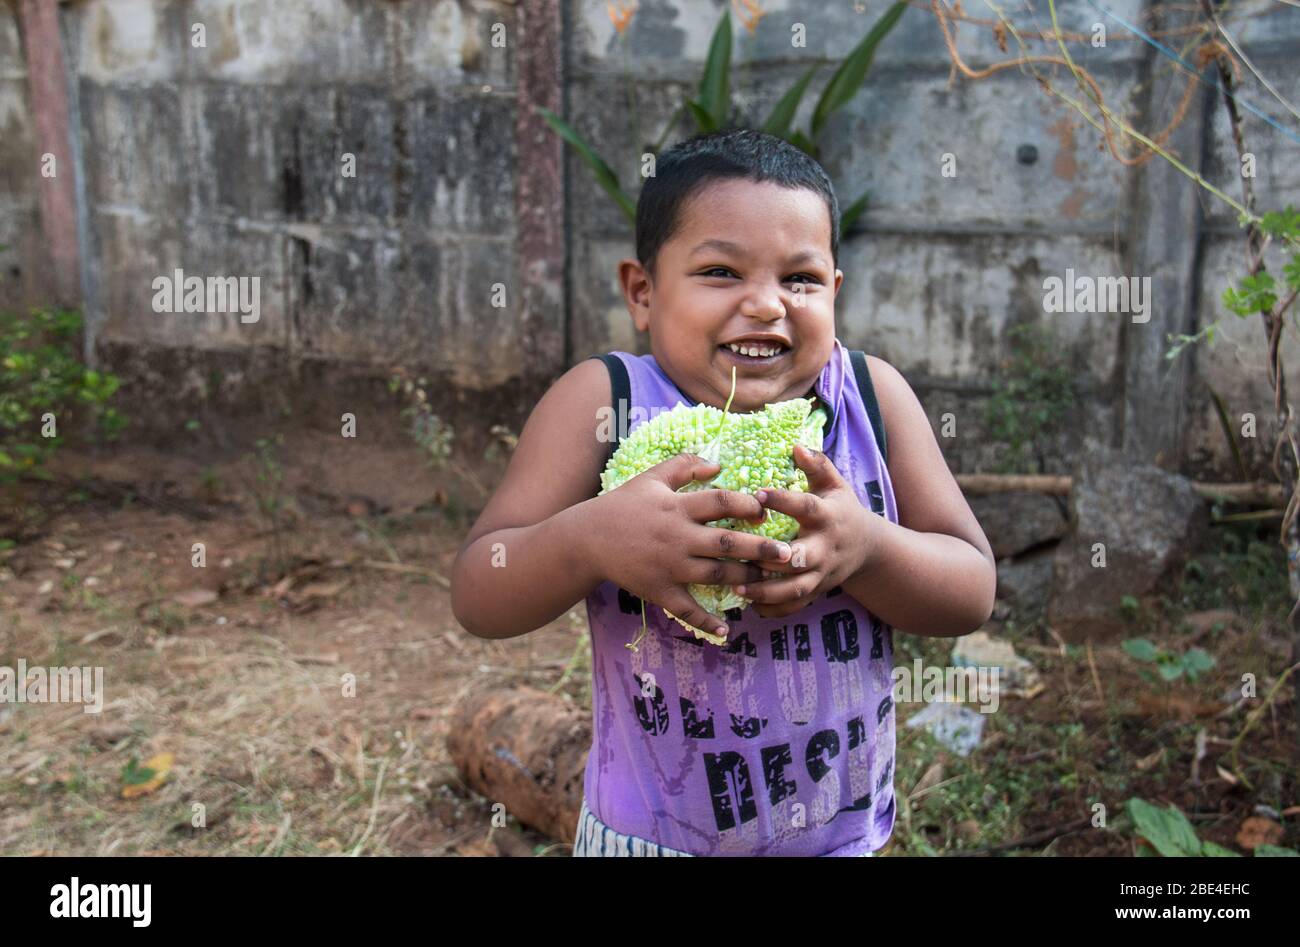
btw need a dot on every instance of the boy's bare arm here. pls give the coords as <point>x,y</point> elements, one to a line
<point>545,540</point>
<point>523,563</point>
<point>933,572</point>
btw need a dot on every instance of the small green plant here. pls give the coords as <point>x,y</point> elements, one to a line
<point>712,109</point>
<point>211,480</point>
<point>133,774</point>
<point>44,387</point>
<point>164,617</point>
<point>1169,665</point>
<point>434,436</point>
<point>1169,833</point>
<point>1256,293</point>
<point>1031,398</point>
<point>267,491</point>
<point>1245,569</point>
<point>504,441</point>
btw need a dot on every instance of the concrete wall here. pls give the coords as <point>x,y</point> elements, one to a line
<point>948,265</point>
<point>24,273</point>
<point>229,160</point>
<point>226,160</point>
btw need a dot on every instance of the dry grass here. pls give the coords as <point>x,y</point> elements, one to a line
<point>249,692</point>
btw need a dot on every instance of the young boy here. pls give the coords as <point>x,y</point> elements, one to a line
<point>781,741</point>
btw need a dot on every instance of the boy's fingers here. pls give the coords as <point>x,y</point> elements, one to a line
<point>804,507</point>
<point>717,543</point>
<point>678,471</point>
<point>822,474</point>
<point>723,572</point>
<point>770,569</point>
<point>705,505</point>
<point>679,601</point>
<point>780,591</point>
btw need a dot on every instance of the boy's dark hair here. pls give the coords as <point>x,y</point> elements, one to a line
<point>689,166</point>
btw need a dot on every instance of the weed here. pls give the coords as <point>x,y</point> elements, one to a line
<point>43,385</point>
<point>1031,398</point>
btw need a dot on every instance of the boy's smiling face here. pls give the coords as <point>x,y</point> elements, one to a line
<point>732,274</point>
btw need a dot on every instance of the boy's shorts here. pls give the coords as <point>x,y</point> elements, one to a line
<point>595,838</point>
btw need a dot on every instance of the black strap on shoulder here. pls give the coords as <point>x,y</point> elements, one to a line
<point>868,392</point>
<point>620,394</point>
<point>621,397</point>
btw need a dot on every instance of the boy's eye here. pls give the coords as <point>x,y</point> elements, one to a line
<point>726,272</point>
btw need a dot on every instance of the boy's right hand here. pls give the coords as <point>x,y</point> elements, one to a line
<point>651,540</point>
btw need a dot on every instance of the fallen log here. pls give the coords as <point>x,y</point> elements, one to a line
<point>1258,492</point>
<point>526,749</point>
<point>977,484</point>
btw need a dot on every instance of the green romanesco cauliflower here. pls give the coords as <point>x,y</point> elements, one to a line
<point>754,451</point>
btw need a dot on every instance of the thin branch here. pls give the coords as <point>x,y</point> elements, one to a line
<point>1253,71</point>
<point>1037,838</point>
<point>1084,112</point>
<point>1254,718</point>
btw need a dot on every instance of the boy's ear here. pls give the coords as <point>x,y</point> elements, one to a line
<point>636,292</point>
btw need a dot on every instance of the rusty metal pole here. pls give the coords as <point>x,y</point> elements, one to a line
<point>539,188</point>
<point>52,164</point>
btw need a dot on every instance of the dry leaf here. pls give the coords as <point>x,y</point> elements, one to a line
<point>481,848</point>
<point>511,844</point>
<point>161,766</point>
<point>282,587</point>
<point>1154,705</point>
<point>1147,762</point>
<point>331,657</point>
<point>1257,831</point>
<point>1203,622</point>
<point>932,776</point>
<point>193,598</point>
<point>103,632</point>
<point>321,590</point>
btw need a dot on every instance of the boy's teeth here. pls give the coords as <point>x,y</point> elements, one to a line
<point>754,350</point>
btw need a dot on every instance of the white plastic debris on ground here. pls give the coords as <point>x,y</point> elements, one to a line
<point>1017,676</point>
<point>955,726</point>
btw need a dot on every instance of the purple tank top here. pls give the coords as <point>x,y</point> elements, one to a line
<point>780,742</point>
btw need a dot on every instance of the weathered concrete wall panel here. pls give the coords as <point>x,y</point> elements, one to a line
<point>462,159</point>
<point>357,158</point>
<point>229,158</point>
<point>25,274</point>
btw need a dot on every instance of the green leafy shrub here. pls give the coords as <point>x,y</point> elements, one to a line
<point>1169,664</point>
<point>1172,835</point>
<point>44,387</point>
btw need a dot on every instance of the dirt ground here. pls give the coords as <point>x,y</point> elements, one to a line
<point>302,681</point>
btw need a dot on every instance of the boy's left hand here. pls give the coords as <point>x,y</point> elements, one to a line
<point>835,538</point>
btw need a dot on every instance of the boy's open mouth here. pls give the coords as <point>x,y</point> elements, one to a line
<point>754,352</point>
